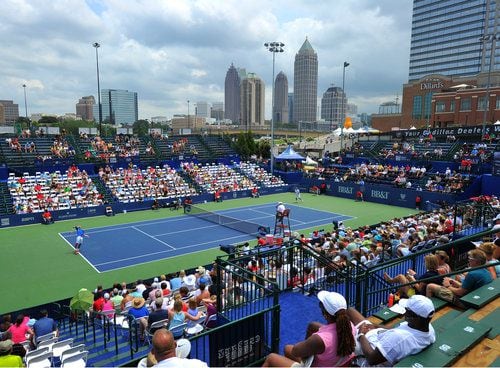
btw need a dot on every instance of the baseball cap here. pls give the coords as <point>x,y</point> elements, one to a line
<point>5,346</point>
<point>420,305</point>
<point>333,302</point>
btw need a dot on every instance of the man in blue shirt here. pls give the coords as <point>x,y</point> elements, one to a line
<point>80,234</point>
<point>45,325</point>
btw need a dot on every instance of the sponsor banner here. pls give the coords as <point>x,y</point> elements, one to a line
<point>458,132</point>
<point>496,164</point>
<point>237,345</point>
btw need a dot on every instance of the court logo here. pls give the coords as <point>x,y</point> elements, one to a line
<point>402,196</point>
<point>5,222</point>
<point>235,195</point>
<point>346,190</point>
<point>380,194</point>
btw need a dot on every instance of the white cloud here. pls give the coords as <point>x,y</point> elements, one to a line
<point>172,51</point>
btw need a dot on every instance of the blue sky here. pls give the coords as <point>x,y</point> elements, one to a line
<point>171,51</point>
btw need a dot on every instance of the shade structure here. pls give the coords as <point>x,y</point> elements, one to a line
<point>82,300</point>
<point>289,154</point>
<point>309,162</point>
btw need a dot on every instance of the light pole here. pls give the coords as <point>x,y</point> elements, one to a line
<point>342,112</point>
<point>26,106</point>
<point>273,47</point>
<point>97,45</point>
<point>189,127</point>
<point>486,107</point>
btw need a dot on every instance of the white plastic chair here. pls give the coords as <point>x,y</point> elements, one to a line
<point>178,331</point>
<point>34,353</point>
<point>72,351</point>
<point>40,361</point>
<point>60,346</point>
<point>143,363</point>
<point>48,343</point>
<point>75,361</point>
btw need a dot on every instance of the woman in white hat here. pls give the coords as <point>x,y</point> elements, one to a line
<point>332,345</point>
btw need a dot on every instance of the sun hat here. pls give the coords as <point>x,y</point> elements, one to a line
<point>138,302</point>
<point>332,302</point>
<point>183,348</point>
<point>5,346</point>
<point>190,280</point>
<point>200,269</point>
<point>421,306</point>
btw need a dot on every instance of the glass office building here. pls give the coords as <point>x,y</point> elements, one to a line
<point>118,107</point>
<point>445,37</point>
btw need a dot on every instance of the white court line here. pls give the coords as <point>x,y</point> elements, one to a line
<point>71,245</point>
<point>152,237</point>
<point>166,251</point>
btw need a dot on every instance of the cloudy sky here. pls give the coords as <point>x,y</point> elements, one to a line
<point>171,51</point>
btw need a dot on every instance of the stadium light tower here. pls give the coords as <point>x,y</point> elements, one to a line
<point>342,112</point>
<point>26,106</point>
<point>273,47</point>
<point>97,45</point>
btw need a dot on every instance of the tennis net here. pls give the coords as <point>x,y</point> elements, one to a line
<point>243,226</point>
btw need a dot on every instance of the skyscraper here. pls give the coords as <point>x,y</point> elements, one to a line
<point>202,109</point>
<point>232,97</point>
<point>85,108</point>
<point>217,111</point>
<point>305,84</point>
<point>10,111</point>
<point>290,107</point>
<point>252,101</point>
<point>118,106</point>
<point>331,105</point>
<point>280,113</point>
<point>445,37</point>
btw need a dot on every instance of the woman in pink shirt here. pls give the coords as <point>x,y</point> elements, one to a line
<point>20,328</point>
<point>332,345</point>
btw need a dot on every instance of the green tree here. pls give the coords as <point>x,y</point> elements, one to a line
<point>48,120</point>
<point>141,127</point>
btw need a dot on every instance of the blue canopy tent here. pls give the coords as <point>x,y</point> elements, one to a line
<point>289,154</point>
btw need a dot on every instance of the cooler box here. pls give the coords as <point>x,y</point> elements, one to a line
<point>270,239</point>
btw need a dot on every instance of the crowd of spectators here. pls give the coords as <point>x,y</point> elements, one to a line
<point>53,191</point>
<point>135,184</point>
<point>259,174</point>
<point>216,177</point>
<point>123,146</point>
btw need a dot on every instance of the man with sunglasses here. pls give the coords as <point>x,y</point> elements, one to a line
<point>378,345</point>
<point>452,290</point>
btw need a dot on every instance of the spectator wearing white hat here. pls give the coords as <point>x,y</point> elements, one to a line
<point>331,344</point>
<point>379,345</point>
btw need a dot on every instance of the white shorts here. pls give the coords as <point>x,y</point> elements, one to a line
<point>79,239</point>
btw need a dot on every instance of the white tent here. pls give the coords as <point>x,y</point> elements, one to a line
<point>350,131</point>
<point>497,122</point>
<point>309,162</point>
<point>413,127</point>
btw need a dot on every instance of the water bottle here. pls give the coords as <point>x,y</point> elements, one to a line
<point>390,302</point>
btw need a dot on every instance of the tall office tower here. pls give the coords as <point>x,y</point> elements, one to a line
<point>252,101</point>
<point>331,105</point>
<point>202,109</point>
<point>232,86</point>
<point>118,107</point>
<point>305,84</point>
<point>10,111</point>
<point>445,37</point>
<point>85,108</point>
<point>280,113</point>
<point>217,111</point>
<point>290,107</point>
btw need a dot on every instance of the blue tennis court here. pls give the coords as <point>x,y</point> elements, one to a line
<point>113,247</point>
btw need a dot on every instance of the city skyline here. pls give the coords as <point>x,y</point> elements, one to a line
<point>188,52</point>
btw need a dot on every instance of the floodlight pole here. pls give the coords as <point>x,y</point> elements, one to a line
<point>342,113</point>
<point>273,47</point>
<point>485,39</point>
<point>97,45</point>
